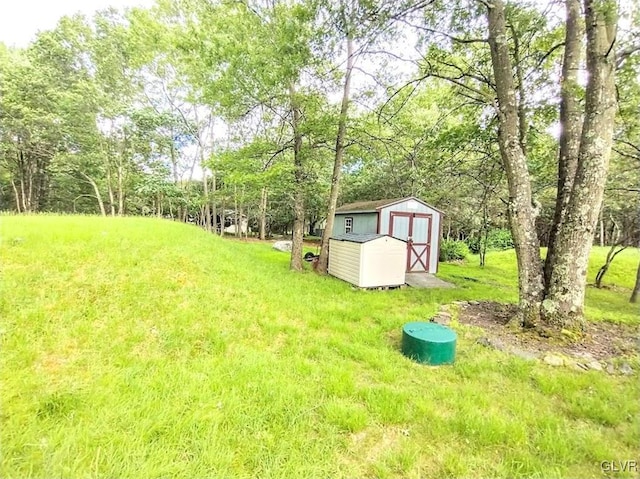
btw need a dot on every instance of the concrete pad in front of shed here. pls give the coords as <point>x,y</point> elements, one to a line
<point>426,280</point>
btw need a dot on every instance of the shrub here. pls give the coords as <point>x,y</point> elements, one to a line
<point>473,242</point>
<point>499,239</point>
<point>451,250</point>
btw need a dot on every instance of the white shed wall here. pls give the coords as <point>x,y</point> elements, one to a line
<point>344,260</point>
<point>435,242</point>
<point>384,261</point>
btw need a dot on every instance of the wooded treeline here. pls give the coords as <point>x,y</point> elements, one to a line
<point>277,111</point>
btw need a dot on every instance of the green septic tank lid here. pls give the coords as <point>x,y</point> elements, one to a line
<point>429,343</point>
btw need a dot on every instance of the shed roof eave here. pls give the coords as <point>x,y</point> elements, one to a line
<point>375,206</point>
<point>408,198</point>
<point>356,212</point>
<point>362,237</point>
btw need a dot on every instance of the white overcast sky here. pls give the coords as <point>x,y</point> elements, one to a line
<point>20,20</point>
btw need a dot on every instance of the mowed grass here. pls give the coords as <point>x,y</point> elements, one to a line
<point>144,348</point>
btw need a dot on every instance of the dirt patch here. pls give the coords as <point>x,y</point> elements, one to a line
<point>601,341</point>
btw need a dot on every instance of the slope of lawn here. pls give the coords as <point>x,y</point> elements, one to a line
<point>145,348</point>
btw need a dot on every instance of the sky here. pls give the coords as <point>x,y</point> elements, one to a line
<point>20,20</point>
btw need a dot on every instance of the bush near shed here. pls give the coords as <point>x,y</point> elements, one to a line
<point>497,240</point>
<point>453,250</point>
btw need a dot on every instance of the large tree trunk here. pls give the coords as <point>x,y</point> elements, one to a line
<point>523,122</point>
<point>298,194</point>
<point>636,288</point>
<point>323,261</point>
<point>522,214</point>
<point>571,121</point>
<point>563,305</point>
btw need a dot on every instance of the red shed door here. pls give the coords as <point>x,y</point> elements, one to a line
<point>415,229</point>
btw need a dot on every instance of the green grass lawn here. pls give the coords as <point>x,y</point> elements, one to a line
<point>145,348</point>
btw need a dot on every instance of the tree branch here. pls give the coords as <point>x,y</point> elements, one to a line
<point>626,53</point>
<point>464,41</point>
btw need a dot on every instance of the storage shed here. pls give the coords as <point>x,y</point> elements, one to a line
<point>408,219</point>
<point>367,260</point>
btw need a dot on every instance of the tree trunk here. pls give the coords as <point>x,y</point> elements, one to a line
<point>611,255</point>
<point>571,121</point>
<point>523,123</point>
<point>96,190</point>
<point>522,214</point>
<point>205,186</point>
<point>174,171</point>
<point>613,251</point>
<point>298,194</point>
<point>214,209</point>
<point>602,226</point>
<point>120,189</point>
<point>563,305</point>
<point>112,201</point>
<point>30,189</point>
<point>25,205</point>
<point>236,228</point>
<point>17,196</point>
<point>323,260</point>
<point>22,206</point>
<point>636,288</point>
<point>263,213</point>
<point>222,218</point>
<point>484,234</point>
<point>312,225</point>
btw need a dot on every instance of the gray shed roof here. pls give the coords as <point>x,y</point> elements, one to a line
<point>359,238</point>
<point>365,206</point>
<point>373,206</point>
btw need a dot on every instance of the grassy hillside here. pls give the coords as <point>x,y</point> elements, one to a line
<point>143,348</point>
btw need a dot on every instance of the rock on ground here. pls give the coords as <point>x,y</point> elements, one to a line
<point>553,360</point>
<point>595,365</point>
<point>442,318</point>
<point>526,355</point>
<point>492,343</point>
<point>626,369</point>
<point>284,246</point>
